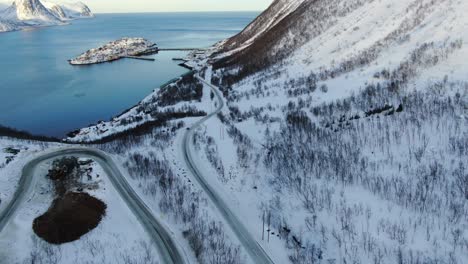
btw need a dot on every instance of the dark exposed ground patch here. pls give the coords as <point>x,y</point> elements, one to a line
<point>72,214</point>
<point>69,218</point>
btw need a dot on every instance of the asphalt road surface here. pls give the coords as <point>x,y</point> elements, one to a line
<point>168,250</point>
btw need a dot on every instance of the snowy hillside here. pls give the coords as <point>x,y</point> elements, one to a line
<point>76,10</point>
<point>344,137</point>
<point>34,13</point>
<point>346,36</point>
<point>56,10</point>
<point>264,23</point>
<point>33,10</point>
<point>69,10</point>
<point>8,26</point>
<point>346,128</point>
<point>356,114</point>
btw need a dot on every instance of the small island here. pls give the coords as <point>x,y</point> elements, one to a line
<point>115,50</point>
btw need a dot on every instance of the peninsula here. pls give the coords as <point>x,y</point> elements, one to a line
<point>115,50</point>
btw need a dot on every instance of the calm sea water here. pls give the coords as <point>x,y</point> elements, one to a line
<point>41,93</point>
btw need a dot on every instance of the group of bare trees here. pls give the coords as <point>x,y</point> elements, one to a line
<point>406,148</point>
<point>413,160</point>
<point>178,199</point>
<point>90,251</point>
<point>211,152</point>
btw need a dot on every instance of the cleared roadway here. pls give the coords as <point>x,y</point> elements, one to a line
<point>256,252</point>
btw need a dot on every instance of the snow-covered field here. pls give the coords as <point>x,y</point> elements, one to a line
<point>115,50</point>
<point>119,238</point>
<point>14,154</point>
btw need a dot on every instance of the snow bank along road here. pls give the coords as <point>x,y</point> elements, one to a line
<point>255,251</point>
<point>167,248</point>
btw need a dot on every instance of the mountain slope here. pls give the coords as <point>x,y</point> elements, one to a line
<point>343,34</point>
<point>76,10</point>
<point>344,133</point>
<point>351,117</point>
<point>262,24</point>
<point>8,26</point>
<point>29,10</point>
<point>68,10</point>
<point>32,13</point>
<point>56,10</point>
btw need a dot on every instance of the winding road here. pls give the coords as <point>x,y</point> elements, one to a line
<point>168,250</point>
<point>256,252</point>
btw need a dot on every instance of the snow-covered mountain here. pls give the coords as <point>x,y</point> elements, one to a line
<point>56,9</point>
<point>345,131</point>
<point>355,103</point>
<point>77,10</point>
<point>344,37</point>
<point>8,26</point>
<point>263,23</point>
<point>29,10</point>
<point>32,13</point>
<point>67,11</point>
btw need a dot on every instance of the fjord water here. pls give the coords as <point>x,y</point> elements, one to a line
<point>42,94</point>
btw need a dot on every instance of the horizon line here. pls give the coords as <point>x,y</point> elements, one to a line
<point>153,12</point>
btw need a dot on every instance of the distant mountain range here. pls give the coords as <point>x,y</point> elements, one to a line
<point>34,13</point>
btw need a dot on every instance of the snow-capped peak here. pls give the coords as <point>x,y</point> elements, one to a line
<point>69,10</point>
<point>29,13</point>
<point>77,9</point>
<point>29,10</point>
<point>56,9</point>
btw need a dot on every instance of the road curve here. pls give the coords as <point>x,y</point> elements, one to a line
<point>256,252</point>
<point>168,250</point>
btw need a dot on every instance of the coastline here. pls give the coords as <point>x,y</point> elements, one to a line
<point>89,92</point>
<point>146,53</point>
<point>20,134</point>
<point>36,27</point>
<point>144,125</point>
<point>153,49</point>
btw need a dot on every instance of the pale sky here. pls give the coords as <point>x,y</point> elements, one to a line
<point>128,6</point>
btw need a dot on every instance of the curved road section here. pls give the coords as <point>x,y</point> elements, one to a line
<point>167,248</point>
<point>255,251</point>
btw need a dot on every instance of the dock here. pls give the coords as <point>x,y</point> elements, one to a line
<point>139,58</point>
<point>180,49</point>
